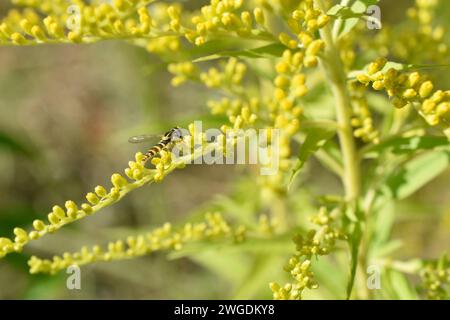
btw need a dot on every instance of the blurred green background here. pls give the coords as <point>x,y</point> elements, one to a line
<point>66,113</point>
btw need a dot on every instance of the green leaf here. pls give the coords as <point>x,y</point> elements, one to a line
<point>401,286</point>
<point>384,210</point>
<point>325,270</point>
<point>315,139</point>
<point>218,263</point>
<point>263,270</point>
<point>354,241</point>
<point>387,249</point>
<point>416,173</point>
<point>350,15</point>
<point>45,287</point>
<point>267,51</point>
<point>354,224</point>
<point>15,145</point>
<point>210,48</point>
<point>330,157</point>
<point>275,245</point>
<point>405,145</point>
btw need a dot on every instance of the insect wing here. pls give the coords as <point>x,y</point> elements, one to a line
<point>144,138</point>
<point>177,135</point>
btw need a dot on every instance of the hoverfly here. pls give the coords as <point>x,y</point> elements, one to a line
<point>167,141</point>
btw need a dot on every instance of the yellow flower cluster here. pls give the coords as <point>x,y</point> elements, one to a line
<point>280,111</point>
<point>436,279</point>
<point>410,88</point>
<point>267,226</point>
<point>164,238</point>
<point>304,23</point>
<point>218,18</point>
<point>358,40</point>
<point>100,198</point>
<point>241,111</point>
<point>97,200</point>
<point>166,42</point>
<point>228,77</point>
<point>46,6</point>
<point>418,40</point>
<point>285,109</point>
<point>183,71</point>
<point>76,22</point>
<point>318,242</point>
<point>232,74</point>
<point>423,42</point>
<point>162,45</point>
<point>362,120</point>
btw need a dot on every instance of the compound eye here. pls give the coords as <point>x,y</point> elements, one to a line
<point>177,135</point>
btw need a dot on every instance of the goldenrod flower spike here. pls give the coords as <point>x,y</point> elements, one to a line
<point>436,278</point>
<point>214,228</point>
<point>60,217</point>
<point>274,103</point>
<point>101,198</point>
<point>410,88</point>
<point>362,120</point>
<point>318,242</point>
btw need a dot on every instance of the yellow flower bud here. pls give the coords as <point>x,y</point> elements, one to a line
<point>92,198</point>
<point>18,38</point>
<point>282,81</point>
<point>87,208</point>
<point>21,235</point>
<point>58,212</point>
<point>118,181</point>
<point>259,16</point>
<point>287,40</point>
<point>399,103</point>
<point>301,91</point>
<point>425,89</point>
<point>323,20</point>
<point>26,26</point>
<point>39,225</point>
<point>414,79</point>
<point>305,39</point>
<point>363,78</point>
<point>282,67</point>
<point>280,94</point>
<point>54,220</point>
<point>199,41</point>
<point>297,59</point>
<point>443,109</point>
<point>428,106</point>
<point>286,104</point>
<point>298,15</point>
<point>376,66</point>
<point>310,61</point>
<point>314,48</point>
<point>246,18</point>
<point>378,85</point>
<point>34,235</point>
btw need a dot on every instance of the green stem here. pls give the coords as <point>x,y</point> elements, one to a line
<point>337,78</point>
<point>338,24</point>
